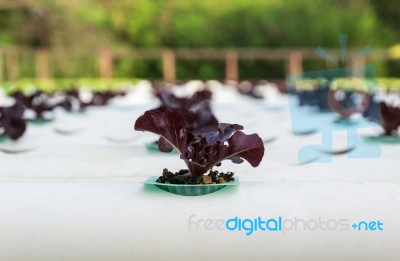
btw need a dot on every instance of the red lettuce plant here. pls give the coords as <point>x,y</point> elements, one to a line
<point>250,89</point>
<point>196,110</point>
<point>201,151</point>
<point>12,123</point>
<point>40,102</point>
<point>97,99</point>
<point>348,102</point>
<point>390,119</point>
<point>73,97</point>
<point>103,98</point>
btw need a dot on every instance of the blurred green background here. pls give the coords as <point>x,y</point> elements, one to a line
<point>82,26</point>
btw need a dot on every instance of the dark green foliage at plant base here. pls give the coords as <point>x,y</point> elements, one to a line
<point>179,177</point>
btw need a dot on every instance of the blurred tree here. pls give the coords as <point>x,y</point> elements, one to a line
<point>388,11</point>
<point>46,23</point>
<point>242,23</point>
<point>85,25</point>
<point>182,23</point>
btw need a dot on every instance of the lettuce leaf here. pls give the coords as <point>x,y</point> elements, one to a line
<point>201,151</point>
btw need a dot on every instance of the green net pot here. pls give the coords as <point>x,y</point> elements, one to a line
<point>190,190</point>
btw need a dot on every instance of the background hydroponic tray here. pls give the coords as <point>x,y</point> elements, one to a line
<point>81,196</point>
<point>106,147</point>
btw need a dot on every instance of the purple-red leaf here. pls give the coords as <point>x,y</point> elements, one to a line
<point>170,125</point>
<point>164,145</point>
<point>390,118</point>
<point>240,147</point>
<point>12,122</point>
<point>248,147</point>
<point>196,110</point>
